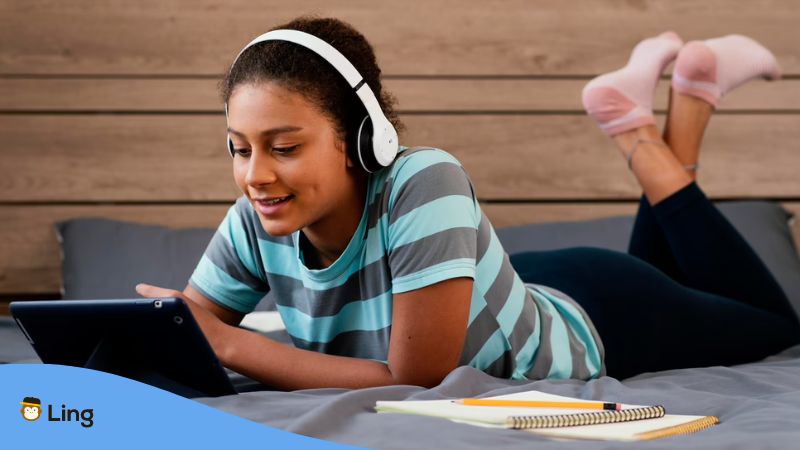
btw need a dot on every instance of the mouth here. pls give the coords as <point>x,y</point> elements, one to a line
<point>270,206</point>
<point>275,200</point>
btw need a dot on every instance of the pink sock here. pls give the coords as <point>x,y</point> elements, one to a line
<point>623,100</point>
<point>709,69</point>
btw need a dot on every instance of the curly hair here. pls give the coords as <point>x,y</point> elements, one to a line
<point>300,70</point>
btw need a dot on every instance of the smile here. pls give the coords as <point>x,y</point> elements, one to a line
<point>272,206</point>
<point>275,200</point>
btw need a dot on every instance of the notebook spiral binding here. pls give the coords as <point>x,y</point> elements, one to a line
<point>691,427</point>
<point>591,418</point>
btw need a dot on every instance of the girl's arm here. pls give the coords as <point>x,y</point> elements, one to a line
<point>429,326</point>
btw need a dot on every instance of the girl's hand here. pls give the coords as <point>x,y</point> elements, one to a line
<point>212,327</point>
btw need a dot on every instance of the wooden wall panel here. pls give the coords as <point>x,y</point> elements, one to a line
<point>435,37</point>
<point>420,95</point>
<point>52,158</point>
<point>110,108</point>
<point>46,158</point>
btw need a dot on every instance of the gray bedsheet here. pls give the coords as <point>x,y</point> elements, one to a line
<point>758,405</point>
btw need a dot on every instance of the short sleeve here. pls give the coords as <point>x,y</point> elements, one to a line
<point>432,221</point>
<point>230,271</point>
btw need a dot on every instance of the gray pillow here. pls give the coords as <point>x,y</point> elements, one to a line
<point>106,258</point>
<point>765,225</point>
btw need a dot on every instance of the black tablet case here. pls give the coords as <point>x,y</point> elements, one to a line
<point>154,341</point>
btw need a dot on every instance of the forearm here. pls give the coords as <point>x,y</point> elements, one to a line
<point>290,368</point>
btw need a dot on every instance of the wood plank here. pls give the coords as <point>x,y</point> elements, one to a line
<point>415,95</point>
<point>116,94</point>
<point>155,158</point>
<point>564,95</point>
<point>563,157</point>
<point>423,37</point>
<point>114,158</point>
<point>29,253</point>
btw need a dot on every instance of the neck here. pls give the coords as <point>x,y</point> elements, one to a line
<point>329,237</point>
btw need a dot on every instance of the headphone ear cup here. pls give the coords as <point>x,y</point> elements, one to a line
<point>366,154</point>
<point>230,146</point>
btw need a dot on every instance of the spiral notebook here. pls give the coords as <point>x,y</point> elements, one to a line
<point>630,423</point>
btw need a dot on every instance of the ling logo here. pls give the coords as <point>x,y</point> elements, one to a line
<point>31,408</point>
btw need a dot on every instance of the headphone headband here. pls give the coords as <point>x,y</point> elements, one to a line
<point>316,45</point>
<point>384,143</point>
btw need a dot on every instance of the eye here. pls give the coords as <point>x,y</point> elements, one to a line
<point>284,150</point>
<point>244,152</point>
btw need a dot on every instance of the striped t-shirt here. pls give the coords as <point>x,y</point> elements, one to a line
<point>422,224</point>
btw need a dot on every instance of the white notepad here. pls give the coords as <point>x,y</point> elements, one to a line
<point>497,417</point>
<point>264,321</point>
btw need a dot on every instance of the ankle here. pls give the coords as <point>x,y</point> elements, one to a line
<point>691,170</point>
<point>627,139</point>
<point>636,144</point>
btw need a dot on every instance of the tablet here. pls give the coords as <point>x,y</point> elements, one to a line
<point>155,341</point>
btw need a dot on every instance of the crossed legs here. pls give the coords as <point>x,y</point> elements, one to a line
<point>691,292</point>
<point>621,102</point>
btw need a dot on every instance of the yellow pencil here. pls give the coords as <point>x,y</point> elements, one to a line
<point>538,404</point>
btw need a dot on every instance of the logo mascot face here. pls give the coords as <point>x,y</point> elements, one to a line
<point>31,408</point>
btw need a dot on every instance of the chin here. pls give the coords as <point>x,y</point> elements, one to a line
<point>274,228</point>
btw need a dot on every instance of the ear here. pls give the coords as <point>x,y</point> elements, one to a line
<point>341,145</point>
<point>348,162</point>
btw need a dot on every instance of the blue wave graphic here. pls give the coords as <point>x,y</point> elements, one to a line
<point>125,414</point>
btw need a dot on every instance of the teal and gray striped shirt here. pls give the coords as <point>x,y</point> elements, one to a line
<point>422,224</point>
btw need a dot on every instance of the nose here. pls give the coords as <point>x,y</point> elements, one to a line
<point>260,170</point>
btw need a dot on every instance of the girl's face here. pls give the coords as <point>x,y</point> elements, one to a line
<point>289,161</point>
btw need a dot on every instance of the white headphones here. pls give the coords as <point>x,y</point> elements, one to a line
<point>376,142</point>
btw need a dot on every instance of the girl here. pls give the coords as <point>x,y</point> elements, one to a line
<point>397,277</point>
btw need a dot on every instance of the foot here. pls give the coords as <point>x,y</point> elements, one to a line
<point>709,69</point>
<point>622,100</point>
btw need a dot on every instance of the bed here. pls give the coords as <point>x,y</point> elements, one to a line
<point>758,403</point>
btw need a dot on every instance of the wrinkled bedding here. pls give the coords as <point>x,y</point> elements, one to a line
<point>758,405</point>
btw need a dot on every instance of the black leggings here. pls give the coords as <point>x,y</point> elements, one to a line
<point>691,292</point>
